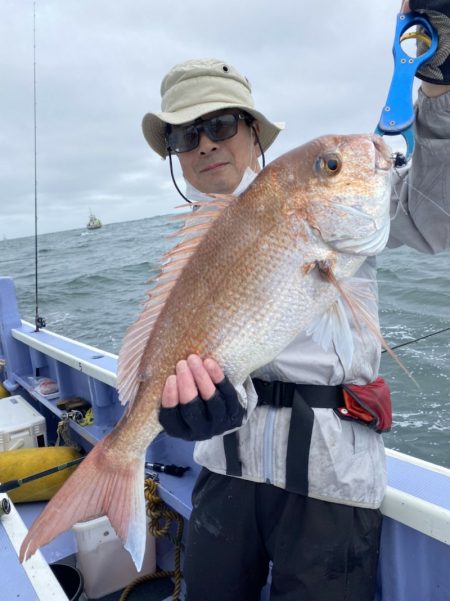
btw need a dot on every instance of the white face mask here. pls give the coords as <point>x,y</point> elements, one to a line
<point>247,178</point>
<point>194,194</point>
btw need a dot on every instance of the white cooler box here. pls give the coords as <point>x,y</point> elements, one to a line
<point>21,426</point>
<point>104,562</point>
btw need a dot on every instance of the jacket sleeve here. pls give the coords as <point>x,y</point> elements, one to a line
<point>420,203</point>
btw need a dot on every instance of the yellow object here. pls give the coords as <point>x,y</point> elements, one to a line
<point>88,419</point>
<point>417,35</point>
<point>26,462</point>
<point>3,392</point>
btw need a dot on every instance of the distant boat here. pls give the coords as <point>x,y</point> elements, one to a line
<point>94,222</point>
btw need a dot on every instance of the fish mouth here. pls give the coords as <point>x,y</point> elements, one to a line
<point>383,154</point>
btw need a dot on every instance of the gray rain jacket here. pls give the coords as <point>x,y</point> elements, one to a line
<point>346,459</point>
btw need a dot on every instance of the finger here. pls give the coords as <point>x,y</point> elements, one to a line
<point>405,7</point>
<point>170,393</point>
<point>214,370</point>
<point>202,378</point>
<point>187,389</point>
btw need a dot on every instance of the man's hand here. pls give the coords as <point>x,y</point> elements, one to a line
<point>198,402</point>
<point>436,72</point>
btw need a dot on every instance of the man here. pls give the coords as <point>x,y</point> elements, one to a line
<point>301,494</point>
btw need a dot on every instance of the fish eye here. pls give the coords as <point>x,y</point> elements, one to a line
<point>328,164</point>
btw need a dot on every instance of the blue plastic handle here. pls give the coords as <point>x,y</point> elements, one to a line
<point>397,115</point>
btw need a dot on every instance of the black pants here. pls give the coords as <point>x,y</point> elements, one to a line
<point>320,551</point>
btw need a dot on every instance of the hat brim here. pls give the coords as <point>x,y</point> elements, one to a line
<point>154,124</point>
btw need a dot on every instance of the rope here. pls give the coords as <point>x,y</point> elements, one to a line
<point>88,418</point>
<point>161,520</point>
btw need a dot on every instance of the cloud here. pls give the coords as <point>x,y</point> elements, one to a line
<point>321,67</point>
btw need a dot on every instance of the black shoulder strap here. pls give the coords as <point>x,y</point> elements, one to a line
<point>231,447</point>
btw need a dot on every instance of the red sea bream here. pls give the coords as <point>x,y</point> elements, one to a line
<point>248,276</point>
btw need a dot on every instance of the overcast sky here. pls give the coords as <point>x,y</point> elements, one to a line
<point>320,66</point>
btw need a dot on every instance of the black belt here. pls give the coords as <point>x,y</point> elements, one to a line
<point>284,394</point>
<point>301,397</point>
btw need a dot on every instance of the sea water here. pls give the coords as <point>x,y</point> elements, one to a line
<point>92,284</point>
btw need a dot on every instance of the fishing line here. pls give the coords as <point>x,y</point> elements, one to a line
<point>38,321</point>
<point>417,339</point>
<point>430,199</point>
<point>403,176</point>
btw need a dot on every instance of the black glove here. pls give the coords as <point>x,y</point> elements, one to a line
<point>437,69</point>
<point>201,420</point>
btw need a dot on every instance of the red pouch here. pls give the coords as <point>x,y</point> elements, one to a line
<point>369,404</point>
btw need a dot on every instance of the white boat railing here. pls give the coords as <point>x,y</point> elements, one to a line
<point>39,573</point>
<point>79,356</point>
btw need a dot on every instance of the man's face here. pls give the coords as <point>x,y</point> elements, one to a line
<point>218,167</point>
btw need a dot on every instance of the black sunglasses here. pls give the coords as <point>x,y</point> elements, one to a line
<point>183,138</point>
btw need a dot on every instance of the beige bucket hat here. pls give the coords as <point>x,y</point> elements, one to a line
<point>197,87</point>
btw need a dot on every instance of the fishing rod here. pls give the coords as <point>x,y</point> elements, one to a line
<point>39,322</point>
<point>173,470</point>
<point>417,339</point>
<point>11,484</point>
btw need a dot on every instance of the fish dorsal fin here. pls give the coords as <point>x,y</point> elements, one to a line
<point>196,224</point>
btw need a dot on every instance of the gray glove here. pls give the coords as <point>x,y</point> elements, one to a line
<point>437,69</point>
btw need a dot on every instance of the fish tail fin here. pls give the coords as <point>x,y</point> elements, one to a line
<point>103,484</point>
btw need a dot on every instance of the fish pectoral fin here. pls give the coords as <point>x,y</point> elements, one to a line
<point>101,485</point>
<point>331,331</point>
<point>355,292</point>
